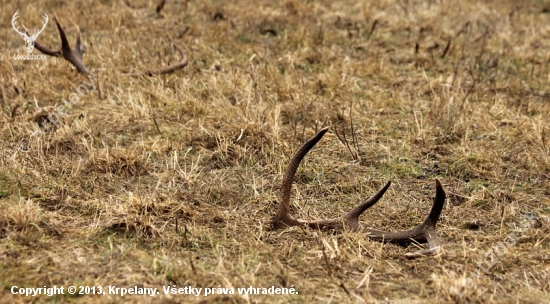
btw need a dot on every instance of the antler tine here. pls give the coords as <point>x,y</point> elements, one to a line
<point>65,47</point>
<point>73,56</point>
<point>283,218</point>
<point>79,46</point>
<point>351,219</point>
<point>169,69</point>
<point>425,232</point>
<point>434,243</point>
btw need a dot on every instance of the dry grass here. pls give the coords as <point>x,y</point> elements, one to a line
<point>109,198</point>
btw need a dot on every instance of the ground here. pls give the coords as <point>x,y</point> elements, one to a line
<point>172,180</point>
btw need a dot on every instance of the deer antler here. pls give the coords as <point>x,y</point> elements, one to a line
<point>425,232</point>
<point>73,56</point>
<point>169,69</point>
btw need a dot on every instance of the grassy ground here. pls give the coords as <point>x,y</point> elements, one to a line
<point>172,180</point>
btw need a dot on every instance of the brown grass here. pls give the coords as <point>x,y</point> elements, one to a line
<point>110,199</point>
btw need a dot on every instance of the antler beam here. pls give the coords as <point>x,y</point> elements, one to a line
<point>169,69</point>
<point>425,232</point>
<point>73,56</point>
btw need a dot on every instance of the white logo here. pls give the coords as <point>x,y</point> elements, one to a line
<point>29,40</point>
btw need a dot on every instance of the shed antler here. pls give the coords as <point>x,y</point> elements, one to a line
<point>425,232</point>
<point>169,69</point>
<point>74,56</point>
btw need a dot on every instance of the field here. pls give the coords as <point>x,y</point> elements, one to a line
<point>172,180</point>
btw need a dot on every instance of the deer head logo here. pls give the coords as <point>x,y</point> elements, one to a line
<point>29,40</point>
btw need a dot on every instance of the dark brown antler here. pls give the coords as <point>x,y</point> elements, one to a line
<point>166,70</point>
<point>425,232</point>
<point>74,56</point>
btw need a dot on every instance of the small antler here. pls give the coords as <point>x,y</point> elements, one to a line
<point>73,56</point>
<point>425,232</point>
<point>169,69</point>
